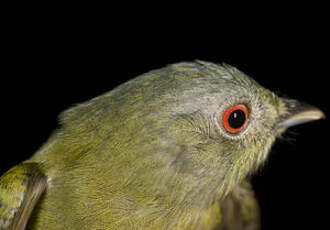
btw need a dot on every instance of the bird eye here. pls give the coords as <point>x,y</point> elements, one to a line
<point>235,118</point>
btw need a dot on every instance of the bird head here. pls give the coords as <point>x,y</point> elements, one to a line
<point>220,126</point>
<point>188,132</point>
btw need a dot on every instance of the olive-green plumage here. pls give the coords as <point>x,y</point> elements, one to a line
<point>152,154</point>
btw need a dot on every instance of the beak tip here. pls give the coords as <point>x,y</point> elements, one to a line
<point>322,116</point>
<point>315,114</point>
<point>302,113</point>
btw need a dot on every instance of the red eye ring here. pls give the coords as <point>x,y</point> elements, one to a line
<point>235,118</point>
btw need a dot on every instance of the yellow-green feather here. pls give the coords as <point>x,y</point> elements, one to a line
<point>150,154</point>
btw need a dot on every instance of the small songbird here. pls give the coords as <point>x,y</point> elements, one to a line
<point>168,150</point>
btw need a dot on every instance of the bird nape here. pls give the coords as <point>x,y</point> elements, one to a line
<point>170,149</point>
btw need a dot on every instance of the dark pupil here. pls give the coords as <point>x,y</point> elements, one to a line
<point>236,119</point>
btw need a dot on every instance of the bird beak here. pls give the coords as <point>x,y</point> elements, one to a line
<point>299,113</point>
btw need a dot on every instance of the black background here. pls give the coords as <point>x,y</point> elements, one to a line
<point>52,60</point>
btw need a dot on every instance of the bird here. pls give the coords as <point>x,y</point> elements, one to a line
<point>171,149</point>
